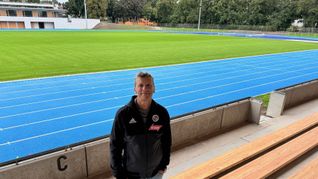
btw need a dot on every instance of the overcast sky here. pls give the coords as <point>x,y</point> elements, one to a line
<point>62,0</point>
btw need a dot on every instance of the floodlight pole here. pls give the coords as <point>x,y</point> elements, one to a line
<point>85,10</point>
<point>199,21</point>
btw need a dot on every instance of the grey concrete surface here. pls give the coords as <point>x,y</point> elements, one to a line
<point>302,93</point>
<point>98,157</point>
<point>73,163</point>
<point>276,105</point>
<point>235,114</point>
<point>256,110</point>
<point>292,96</point>
<point>193,155</point>
<point>188,128</point>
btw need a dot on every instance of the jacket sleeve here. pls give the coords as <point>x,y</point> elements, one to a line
<point>116,148</point>
<point>166,143</point>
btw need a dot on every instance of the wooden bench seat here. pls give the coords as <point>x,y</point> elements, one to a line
<point>308,171</point>
<point>269,163</point>
<point>243,153</point>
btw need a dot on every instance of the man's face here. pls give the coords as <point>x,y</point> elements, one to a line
<point>144,88</point>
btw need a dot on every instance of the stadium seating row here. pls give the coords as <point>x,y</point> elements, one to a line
<point>264,156</point>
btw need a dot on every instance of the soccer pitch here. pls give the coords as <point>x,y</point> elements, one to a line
<point>30,54</point>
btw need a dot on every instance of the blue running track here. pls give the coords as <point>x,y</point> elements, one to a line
<point>43,114</point>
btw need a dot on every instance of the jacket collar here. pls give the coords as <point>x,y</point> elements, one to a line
<point>132,103</point>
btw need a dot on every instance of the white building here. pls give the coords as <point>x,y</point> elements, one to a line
<point>16,15</point>
<point>298,23</point>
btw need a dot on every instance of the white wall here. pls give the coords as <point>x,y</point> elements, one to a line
<point>59,23</point>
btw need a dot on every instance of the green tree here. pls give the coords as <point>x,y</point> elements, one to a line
<point>34,1</point>
<point>129,9</point>
<point>165,9</point>
<point>75,8</point>
<point>97,8</point>
<point>111,10</point>
<point>308,10</point>
<point>150,11</point>
<point>186,11</point>
<point>282,15</point>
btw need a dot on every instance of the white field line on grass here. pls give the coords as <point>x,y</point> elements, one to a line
<point>308,41</point>
<point>145,68</point>
<point>178,104</point>
<point>185,73</point>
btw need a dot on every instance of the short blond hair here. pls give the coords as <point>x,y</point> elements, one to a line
<point>144,75</point>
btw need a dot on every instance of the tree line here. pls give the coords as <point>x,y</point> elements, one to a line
<point>278,14</point>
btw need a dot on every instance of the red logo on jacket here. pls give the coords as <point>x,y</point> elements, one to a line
<point>154,127</point>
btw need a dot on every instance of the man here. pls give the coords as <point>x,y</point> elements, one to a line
<point>140,140</point>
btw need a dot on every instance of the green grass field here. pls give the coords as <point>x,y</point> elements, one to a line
<point>29,54</point>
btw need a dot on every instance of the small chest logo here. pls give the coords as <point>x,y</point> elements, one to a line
<point>155,118</point>
<point>154,127</point>
<point>132,121</point>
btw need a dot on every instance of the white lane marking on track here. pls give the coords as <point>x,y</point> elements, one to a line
<point>90,102</point>
<point>55,132</point>
<point>241,89</point>
<point>158,84</point>
<point>62,117</point>
<point>228,84</point>
<point>163,69</point>
<point>222,94</point>
<point>88,88</point>
<point>155,67</point>
<point>178,104</point>
<point>171,81</point>
<point>179,94</point>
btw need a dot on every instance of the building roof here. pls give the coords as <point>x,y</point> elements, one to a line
<point>29,6</point>
<point>19,4</point>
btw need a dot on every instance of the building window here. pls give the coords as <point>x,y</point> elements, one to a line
<point>11,13</point>
<point>27,13</point>
<point>42,14</point>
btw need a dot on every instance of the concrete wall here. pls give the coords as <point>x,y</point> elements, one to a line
<point>300,94</point>
<point>98,157</point>
<point>60,165</point>
<point>93,158</point>
<point>188,128</point>
<point>59,23</point>
<point>276,104</point>
<point>292,96</point>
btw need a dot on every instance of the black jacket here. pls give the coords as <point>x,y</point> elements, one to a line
<point>139,149</point>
